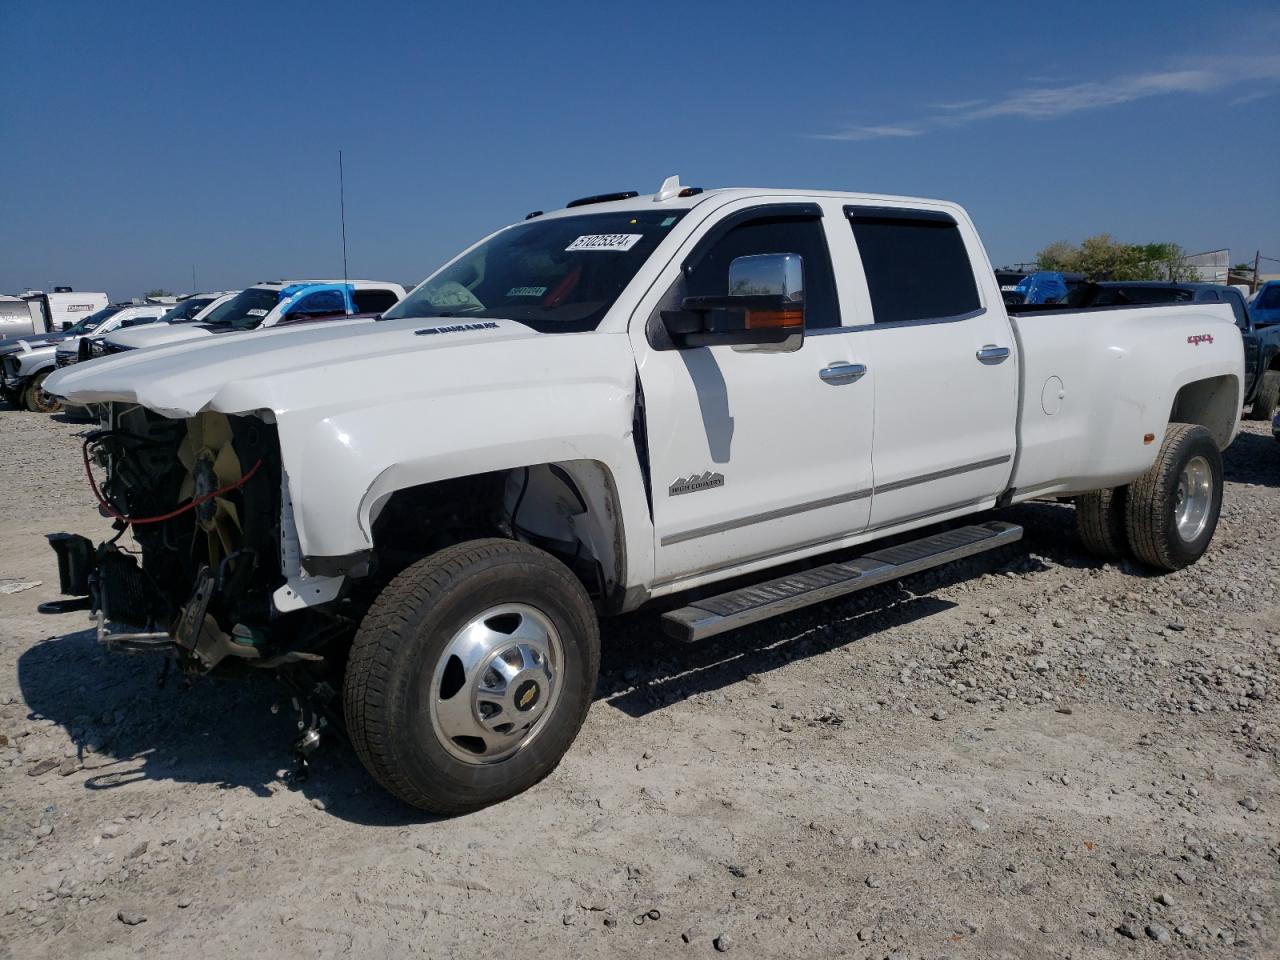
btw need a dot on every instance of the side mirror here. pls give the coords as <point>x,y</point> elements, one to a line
<point>764,308</point>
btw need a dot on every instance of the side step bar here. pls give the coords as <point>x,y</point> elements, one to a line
<point>737,608</point>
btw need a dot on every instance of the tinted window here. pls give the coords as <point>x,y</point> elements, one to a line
<point>556,275</point>
<point>93,321</point>
<point>917,269</point>
<point>710,277</point>
<point>373,301</point>
<point>1108,296</point>
<point>1269,299</point>
<point>1207,296</point>
<point>187,309</point>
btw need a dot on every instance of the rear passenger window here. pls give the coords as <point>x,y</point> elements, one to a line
<point>916,264</point>
<point>373,301</point>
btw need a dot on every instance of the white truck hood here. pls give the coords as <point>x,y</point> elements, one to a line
<point>289,369</point>
<point>154,334</point>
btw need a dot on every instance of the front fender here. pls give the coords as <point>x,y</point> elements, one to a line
<point>345,462</point>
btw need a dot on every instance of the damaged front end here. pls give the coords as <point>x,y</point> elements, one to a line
<point>206,501</point>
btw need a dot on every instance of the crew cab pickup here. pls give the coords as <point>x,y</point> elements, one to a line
<point>265,305</point>
<point>632,398</point>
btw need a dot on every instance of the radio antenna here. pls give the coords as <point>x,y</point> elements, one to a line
<point>342,208</point>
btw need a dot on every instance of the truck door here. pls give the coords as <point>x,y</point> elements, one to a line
<point>753,452</point>
<point>945,365</point>
<point>1249,334</point>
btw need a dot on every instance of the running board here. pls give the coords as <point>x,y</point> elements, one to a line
<point>737,608</point>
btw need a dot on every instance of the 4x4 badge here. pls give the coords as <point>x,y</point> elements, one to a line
<point>699,481</point>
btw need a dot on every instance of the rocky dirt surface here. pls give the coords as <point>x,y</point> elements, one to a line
<point>1032,755</point>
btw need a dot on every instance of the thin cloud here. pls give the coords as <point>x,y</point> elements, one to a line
<point>1044,102</point>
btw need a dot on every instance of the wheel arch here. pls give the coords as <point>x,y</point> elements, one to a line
<point>1213,403</point>
<point>569,508</point>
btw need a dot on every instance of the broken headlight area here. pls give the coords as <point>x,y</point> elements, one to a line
<point>202,499</point>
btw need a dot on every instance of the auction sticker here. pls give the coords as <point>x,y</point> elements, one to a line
<point>256,313</point>
<point>526,291</point>
<point>605,241</point>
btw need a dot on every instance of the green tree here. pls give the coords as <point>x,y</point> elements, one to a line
<point>159,292</point>
<point>1101,257</point>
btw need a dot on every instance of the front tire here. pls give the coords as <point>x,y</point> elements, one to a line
<point>471,675</point>
<point>36,400</point>
<point>1264,404</point>
<point>1173,508</point>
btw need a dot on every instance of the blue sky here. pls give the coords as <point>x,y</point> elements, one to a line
<point>145,138</point>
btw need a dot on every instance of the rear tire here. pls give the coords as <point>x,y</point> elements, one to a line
<point>456,646</point>
<point>1100,521</point>
<point>1173,508</point>
<point>36,400</point>
<point>1264,404</point>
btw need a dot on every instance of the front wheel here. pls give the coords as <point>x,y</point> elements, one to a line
<point>1172,509</point>
<point>471,675</point>
<point>36,400</point>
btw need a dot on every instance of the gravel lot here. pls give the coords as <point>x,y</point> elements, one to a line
<point>1032,755</point>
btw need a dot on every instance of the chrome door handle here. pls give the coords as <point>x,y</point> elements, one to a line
<point>990,354</point>
<point>838,373</point>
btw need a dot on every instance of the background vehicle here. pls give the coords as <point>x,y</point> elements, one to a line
<point>57,311</point>
<point>1042,286</point>
<point>265,305</point>
<point>189,309</point>
<point>631,398</point>
<point>24,368</point>
<point>1261,340</point>
<point>1266,304</point>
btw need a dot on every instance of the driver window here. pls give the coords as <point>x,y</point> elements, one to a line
<point>710,278</point>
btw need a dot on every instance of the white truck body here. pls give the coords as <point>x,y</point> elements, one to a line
<point>52,312</point>
<point>794,465</point>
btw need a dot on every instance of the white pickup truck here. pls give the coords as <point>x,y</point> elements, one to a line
<point>631,398</point>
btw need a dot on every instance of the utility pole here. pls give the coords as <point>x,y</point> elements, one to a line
<point>194,288</point>
<point>1253,287</point>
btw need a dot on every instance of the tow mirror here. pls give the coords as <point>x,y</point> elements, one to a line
<point>764,309</point>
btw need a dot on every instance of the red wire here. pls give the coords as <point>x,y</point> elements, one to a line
<point>112,512</point>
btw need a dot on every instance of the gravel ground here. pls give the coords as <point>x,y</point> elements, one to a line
<point>1030,755</point>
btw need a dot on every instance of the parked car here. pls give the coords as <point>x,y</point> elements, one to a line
<point>1261,340</point>
<point>24,368</point>
<point>191,309</point>
<point>632,398</point>
<point>267,304</point>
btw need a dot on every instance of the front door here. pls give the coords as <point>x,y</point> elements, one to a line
<point>754,453</point>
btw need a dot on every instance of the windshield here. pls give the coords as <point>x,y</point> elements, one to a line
<point>559,275</point>
<point>1269,298</point>
<point>186,309</point>
<point>92,321</point>
<point>245,310</point>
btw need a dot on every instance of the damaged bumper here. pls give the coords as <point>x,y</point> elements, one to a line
<point>132,617</point>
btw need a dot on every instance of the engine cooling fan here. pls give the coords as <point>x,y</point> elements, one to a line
<point>211,464</point>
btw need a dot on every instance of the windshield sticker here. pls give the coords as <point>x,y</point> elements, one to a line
<point>457,328</point>
<point>526,291</point>
<point>605,241</point>
<point>257,313</point>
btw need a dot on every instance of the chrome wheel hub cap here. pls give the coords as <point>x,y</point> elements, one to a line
<point>498,677</point>
<point>1194,499</point>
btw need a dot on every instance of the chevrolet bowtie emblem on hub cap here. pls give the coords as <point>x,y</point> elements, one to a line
<point>699,481</point>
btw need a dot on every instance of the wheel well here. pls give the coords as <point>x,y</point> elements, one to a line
<point>569,509</point>
<point>1213,403</point>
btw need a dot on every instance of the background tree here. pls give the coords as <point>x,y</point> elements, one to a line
<point>1101,257</point>
<point>159,292</point>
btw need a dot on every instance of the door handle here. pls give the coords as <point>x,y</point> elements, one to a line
<point>838,373</point>
<point>991,354</point>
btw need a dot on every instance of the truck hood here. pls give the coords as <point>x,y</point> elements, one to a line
<point>155,334</point>
<point>330,366</point>
<point>29,341</point>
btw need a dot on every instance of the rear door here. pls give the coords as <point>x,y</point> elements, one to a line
<point>753,453</point>
<point>944,360</point>
<point>1252,342</point>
